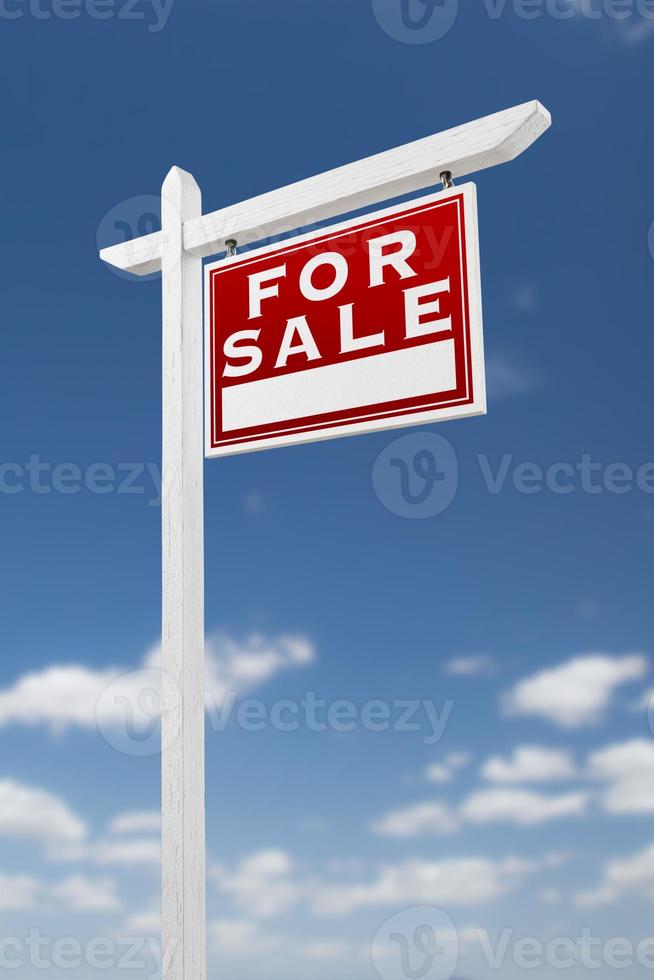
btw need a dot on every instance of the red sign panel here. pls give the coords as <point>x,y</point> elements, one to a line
<point>368,325</point>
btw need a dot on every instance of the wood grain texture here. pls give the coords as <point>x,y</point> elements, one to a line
<point>463,150</point>
<point>183,833</point>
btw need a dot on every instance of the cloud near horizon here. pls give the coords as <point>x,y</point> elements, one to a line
<point>576,693</point>
<point>64,696</point>
<point>265,884</point>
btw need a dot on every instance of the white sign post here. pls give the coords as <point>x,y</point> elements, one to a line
<point>182,633</point>
<point>177,250</point>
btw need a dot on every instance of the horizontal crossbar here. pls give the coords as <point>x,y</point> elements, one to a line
<point>463,150</point>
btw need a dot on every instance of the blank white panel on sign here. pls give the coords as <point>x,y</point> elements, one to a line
<point>399,374</point>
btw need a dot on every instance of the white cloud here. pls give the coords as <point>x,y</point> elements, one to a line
<point>18,892</point>
<point>236,938</point>
<point>521,807</point>
<point>241,937</point>
<point>121,852</point>
<point>261,884</point>
<point>598,896</point>
<point>633,33</point>
<point>265,884</point>
<point>502,804</point>
<point>530,764</point>
<point>327,950</point>
<point>623,759</point>
<point>254,503</point>
<point>58,696</point>
<point>646,702</point>
<point>575,693</point>
<point>127,853</point>
<point>442,772</point>
<point>525,297</point>
<point>80,894</point>
<point>35,814</point>
<point>633,875</point>
<point>66,695</point>
<point>136,822</point>
<point>267,864</point>
<point>438,773</point>
<point>550,896</point>
<point>466,881</point>
<point>475,665</point>
<point>239,666</point>
<point>423,818</point>
<point>345,866</point>
<point>628,768</point>
<point>312,825</point>
<point>76,894</point>
<point>630,25</point>
<point>147,922</point>
<point>507,377</point>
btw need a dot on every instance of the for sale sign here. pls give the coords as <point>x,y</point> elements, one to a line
<point>367,325</point>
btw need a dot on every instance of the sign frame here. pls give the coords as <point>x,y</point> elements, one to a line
<point>376,420</point>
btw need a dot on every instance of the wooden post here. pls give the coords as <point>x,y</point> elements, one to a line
<point>182,725</point>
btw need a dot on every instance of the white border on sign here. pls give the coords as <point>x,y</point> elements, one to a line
<point>352,428</point>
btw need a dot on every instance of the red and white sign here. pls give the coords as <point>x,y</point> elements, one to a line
<point>367,325</point>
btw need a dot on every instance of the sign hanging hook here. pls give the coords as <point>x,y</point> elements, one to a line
<point>446,179</point>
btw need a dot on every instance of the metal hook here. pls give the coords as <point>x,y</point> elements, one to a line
<point>446,179</point>
<point>231,245</point>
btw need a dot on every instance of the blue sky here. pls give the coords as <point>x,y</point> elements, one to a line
<point>522,619</point>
